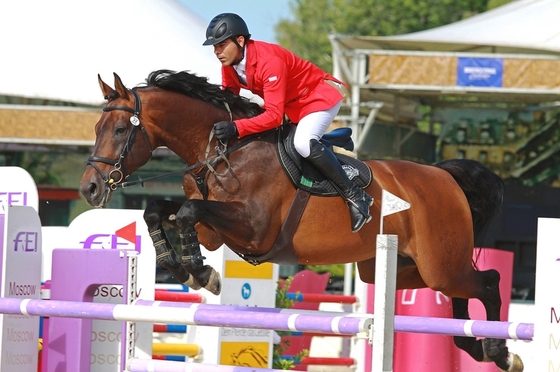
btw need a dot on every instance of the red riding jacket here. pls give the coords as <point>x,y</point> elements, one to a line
<point>286,83</point>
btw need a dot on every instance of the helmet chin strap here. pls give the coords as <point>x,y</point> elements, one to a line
<point>242,49</point>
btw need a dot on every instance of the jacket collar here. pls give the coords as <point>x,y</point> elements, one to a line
<point>251,58</point>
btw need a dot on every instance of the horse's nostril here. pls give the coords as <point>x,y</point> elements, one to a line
<point>92,189</point>
<point>89,190</point>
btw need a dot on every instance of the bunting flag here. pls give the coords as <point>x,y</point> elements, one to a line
<point>128,232</point>
<point>392,204</point>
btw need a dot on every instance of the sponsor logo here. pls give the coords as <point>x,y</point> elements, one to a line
<point>26,241</point>
<point>12,198</point>
<point>246,291</point>
<point>123,238</point>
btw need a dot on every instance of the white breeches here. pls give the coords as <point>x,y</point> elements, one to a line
<point>313,126</point>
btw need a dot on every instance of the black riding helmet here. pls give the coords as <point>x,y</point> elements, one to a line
<point>225,26</point>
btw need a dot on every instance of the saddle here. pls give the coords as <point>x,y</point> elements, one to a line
<point>304,176</point>
<point>307,180</point>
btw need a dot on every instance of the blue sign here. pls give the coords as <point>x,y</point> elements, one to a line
<point>480,72</point>
<point>246,291</point>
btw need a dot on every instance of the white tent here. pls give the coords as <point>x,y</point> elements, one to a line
<point>522,26</point>
<point>54,49</point>
<point>403,70</point>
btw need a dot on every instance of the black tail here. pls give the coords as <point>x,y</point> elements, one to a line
<point>483,188</point>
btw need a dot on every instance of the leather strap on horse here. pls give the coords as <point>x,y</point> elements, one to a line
<point>221,154</point>
<point>282,252</point>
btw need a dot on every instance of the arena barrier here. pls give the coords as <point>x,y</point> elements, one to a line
<point>161,295</point>
<point>249,317</point>
<point>260,318</point>
<point>147,365</point>
<point>307,289</point>
<point>190,314</point>
<point>547,258</point>
<point>410,324</point>
<point>243,284</point>
<point>321,297</point>
<point>167,349</point>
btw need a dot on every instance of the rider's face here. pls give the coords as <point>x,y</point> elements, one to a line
<point>228,52</point>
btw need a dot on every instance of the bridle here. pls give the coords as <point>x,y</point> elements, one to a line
<point>117,175</point>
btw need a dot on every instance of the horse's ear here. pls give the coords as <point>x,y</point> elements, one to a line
<point>120,88</point>
<point>105,89</point>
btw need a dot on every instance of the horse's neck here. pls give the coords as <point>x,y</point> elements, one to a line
<point>186,132</point>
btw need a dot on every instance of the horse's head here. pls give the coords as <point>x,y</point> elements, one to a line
<point>118,150</point>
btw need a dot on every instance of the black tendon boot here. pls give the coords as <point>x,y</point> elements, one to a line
<point>358,201</point>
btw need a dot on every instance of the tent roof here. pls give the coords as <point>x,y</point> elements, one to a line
<point>522,26</point>
<point>55,49</point>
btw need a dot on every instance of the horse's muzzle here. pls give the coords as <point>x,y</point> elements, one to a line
<point>96,192</point>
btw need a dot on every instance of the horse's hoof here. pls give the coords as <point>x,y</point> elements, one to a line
<point>192,283</point>
<point>214,285</point>
<point>515,363</point>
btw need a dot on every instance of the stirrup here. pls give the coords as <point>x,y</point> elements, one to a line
<point>366,198</point>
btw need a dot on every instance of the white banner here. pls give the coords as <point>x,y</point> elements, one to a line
<point>392,204</point>
<point>20,277</point>
<point>547,296</point>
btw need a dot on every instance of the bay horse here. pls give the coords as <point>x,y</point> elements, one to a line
<point>239,195</point>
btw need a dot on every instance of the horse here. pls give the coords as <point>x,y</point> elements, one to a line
<point>238,194</point>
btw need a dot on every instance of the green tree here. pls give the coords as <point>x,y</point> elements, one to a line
<point>306,34</point>
<point>282,301</point>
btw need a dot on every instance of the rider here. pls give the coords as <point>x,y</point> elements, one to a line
<point>290,85</point>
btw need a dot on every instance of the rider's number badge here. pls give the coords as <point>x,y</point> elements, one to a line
<point>135,121</point>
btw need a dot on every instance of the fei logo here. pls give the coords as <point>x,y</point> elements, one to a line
<point>26,241</point>
<point>123,238</point>
<point>12,198</point>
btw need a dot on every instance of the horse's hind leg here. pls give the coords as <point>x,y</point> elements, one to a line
<point>155,214</point>
<point>470,344</point>
<point>489,349</point>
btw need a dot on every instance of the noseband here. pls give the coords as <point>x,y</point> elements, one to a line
<point>116,176</point>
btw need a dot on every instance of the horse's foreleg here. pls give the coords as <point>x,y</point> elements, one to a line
<point>192,261</point>
<point>489,349</point>
<point>154,215</point>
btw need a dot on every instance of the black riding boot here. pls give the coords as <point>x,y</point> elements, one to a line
<point>358,201</point>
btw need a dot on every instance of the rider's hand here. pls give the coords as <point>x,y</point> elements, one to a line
<point>223,130</point>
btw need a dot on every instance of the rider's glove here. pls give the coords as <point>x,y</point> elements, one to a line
<point>223,130</point>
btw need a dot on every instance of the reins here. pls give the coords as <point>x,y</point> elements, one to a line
<point>115,182</point>
<point>222,155</point>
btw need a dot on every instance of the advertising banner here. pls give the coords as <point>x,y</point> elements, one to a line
<point>20,277</point>
<point>547,296</point>
<point>480,72</point>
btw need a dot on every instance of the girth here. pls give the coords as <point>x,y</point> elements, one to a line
<point>282,251</point>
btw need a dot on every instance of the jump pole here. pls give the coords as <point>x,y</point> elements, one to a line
<point>381,336</point>
<point>306,322</point>
<point>403,323</point>
<point>382,333</point>
<point>266,318</point>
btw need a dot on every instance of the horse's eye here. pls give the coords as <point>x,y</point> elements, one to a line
<point>120,130</point>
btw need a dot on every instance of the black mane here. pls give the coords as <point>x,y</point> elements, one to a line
<point>198,87</point>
